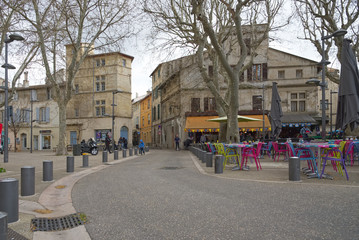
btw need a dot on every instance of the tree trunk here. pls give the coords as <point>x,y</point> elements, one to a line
<point>61,147</point>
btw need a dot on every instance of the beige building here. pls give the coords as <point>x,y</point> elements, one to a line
<point>136,116</point>
<point>32,103</point>
<point>186,103</point>
<point>102,98</point>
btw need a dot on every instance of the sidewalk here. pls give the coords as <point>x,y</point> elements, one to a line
<point>51,199</point>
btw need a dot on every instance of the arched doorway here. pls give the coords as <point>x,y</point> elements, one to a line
<point>124,132</point>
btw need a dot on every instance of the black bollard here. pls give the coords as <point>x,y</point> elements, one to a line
<point>104,156</point>
<point>70,164</point>
<point>209,159</point>
<point>3,225</point>
<point>294,169</point>
<point>85,160</point>
<point>218,165</point>
<point>9,198</point>
<point>47,170</point>
<point>203,156</point>
<point>115,155</point>
<point>27,181</point>
<point>130,152</point>
<point>124,153</point>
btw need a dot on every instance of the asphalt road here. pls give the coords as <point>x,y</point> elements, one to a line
<point>162,195</point>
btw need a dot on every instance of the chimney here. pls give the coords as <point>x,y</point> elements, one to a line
<point>26,81</point>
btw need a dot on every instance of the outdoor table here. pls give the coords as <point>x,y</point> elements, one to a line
<point>317,147</point>
<point>238,148</point>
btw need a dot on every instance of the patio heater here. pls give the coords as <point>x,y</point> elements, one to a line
<point>322,83</point>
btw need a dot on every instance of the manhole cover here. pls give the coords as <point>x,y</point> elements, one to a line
<point>58,224</point>
<point>171,168</point>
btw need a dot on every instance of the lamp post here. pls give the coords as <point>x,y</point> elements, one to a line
<point>12,37</point>
<point>323,84</point>
<point>331,114</point>
<point>113,118</point>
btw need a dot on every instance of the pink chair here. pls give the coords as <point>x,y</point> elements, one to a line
<point>253,153</point>
<point>278,150</point>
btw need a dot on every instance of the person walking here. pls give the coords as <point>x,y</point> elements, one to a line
<point>141,146</point>
<point>177,140</point>
<point>107,143</point>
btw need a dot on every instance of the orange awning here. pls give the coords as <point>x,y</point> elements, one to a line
<point>200,123</point>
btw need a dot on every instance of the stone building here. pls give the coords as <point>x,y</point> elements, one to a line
<point>102,98</point>
<point>186,103</point>
<point>32,103</point>
<point>146,118</point>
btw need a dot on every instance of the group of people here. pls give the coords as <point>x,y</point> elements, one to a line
<point>122,143</point>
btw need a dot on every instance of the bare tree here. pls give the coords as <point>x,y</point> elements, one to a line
<point>322,17</point>
<point>11,22</point>
<point>85,26</point>
<point>225,33</point>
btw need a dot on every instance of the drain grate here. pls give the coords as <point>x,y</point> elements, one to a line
<point>12,235</point>
<point>171,168</point>
<point>58,224</point>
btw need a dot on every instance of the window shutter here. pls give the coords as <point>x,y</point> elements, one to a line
<point>47,114</point>
<point>249,73</point>
<point>265,71</point>
<point>37,114</point>
<point>27,115</point>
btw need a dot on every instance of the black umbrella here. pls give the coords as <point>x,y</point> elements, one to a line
<point>348,98</point>
<point>276,112</point>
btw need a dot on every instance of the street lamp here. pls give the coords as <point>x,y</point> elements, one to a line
<point>331,115</point>
<point>12,37</point>
<point>323,84</point>
<point>113,118</point>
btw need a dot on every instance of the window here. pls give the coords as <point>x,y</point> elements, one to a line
<point>148,119</point>
<point>326,104</point>
<point>16,96</point>
<point>76,112</point>
<point>44,114</point>
<point>48,92</point>
<point>257,102</point>
<point>76,88</point>
<point>209,104</point>
<point>100,107</point>
<point>100,83</point>
<point>195,105</point>
<point>24,115</point>
<point>159,73</point>
<point>124,62</point>
<point>210,71</point>
<point>299,73</point>
<point>257,72</point>
<point>281,74</point>
<point>148,104</point>
<point>297,103</point>
<point>33,95</point>
<point>98,63</point>
<point>154,113</point>
<point>143,121</point>
<point>158,111</point>
<point>103,62</point>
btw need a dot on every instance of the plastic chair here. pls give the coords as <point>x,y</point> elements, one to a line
<point>254,153</point>
<point>338,161</point>
<point>267,148</point>
<point>352,151</point>
<point>229,153</point>
<point>304,154</point>
<point>278,150</point>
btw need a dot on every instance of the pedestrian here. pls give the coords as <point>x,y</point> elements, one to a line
<point>203,139</point>
<point>304,132</point>
<point>177,140</point>
<point>124,143</point>
<point>142,147</point>
<point>107,143</point>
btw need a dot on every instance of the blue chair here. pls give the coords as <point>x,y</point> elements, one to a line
<point>304,154</point>
<point>337,159</point>
<point>267,148</point>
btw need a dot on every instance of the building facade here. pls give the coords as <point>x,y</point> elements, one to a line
<point>102,98</point>
<point>146,118</point>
